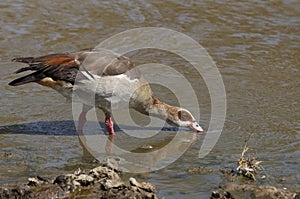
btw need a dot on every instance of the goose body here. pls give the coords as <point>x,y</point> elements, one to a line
<point>101,79</point>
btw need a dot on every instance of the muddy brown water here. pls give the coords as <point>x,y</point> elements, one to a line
<point>254,44</point>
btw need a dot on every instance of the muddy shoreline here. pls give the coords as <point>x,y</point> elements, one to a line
<point>103,181</point>
<point>238,184</point>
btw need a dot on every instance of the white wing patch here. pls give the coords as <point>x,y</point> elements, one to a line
<point>88,75</point>
<point>117,90</point>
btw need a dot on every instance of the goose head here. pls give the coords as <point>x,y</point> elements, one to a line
<point>184,118</point>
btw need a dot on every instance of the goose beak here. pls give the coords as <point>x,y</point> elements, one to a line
<point>196,127</point>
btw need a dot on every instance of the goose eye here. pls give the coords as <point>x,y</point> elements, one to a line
<point>196,127</point>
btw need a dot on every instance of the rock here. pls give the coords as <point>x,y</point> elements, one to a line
<point>218,195</point>
<point>112,184</point>
<point>133,182</point>
<point>99,182</point>
<point>76,183</point>
<point>61,179</point>
<point>84,179</point>
<point>104,172</point>
<point>145,186</point>
<point>77,172</point>
<point>33,182</point>
<point>258,191</point>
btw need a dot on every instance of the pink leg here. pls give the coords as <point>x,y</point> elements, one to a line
<point>109,124</point>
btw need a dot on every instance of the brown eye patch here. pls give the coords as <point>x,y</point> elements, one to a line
<point>184,116</point>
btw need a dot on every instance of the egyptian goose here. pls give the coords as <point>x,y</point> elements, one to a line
<point>111,78</point>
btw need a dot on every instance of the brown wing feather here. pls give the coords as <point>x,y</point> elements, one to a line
<point>56,59</point>
<point>65,66</point>
<point>56,66</point>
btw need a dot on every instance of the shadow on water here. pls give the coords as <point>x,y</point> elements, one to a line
<point>125,137</point>
<point>67,128</point>
<point>61,128</point>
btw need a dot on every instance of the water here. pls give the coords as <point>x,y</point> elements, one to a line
<point>254,44</point>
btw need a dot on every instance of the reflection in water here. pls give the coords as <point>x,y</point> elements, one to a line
<point>140,159</point>
<point>255,46</point>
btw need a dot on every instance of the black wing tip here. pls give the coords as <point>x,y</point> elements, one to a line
<point>23,59</point>
<point>23,80</point>
<point>13,83</point>
<point>18,82</point>
<point>22,70</point>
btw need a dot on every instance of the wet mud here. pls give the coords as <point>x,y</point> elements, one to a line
<point>243,181</point>
<point>101,182</point>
